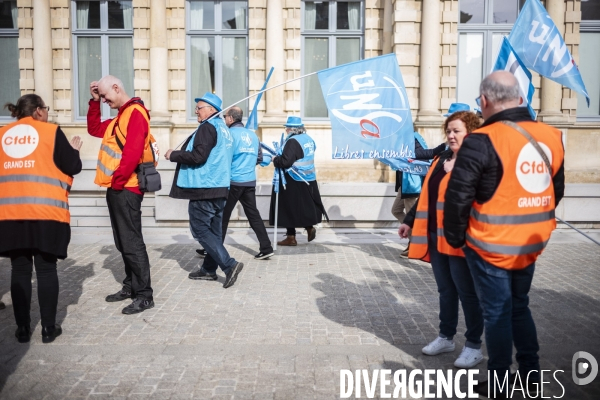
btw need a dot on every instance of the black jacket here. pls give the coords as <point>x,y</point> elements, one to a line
<point>420,154</point>
<point>477,174</point>
<point>204,141</point>
<point>409,219</point>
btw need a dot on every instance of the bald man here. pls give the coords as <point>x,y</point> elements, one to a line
<point>499,208</point>
<point>125,143</point>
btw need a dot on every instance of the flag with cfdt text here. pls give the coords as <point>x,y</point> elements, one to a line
<point>540,46</point>
<point>509,61</point>
<point>369,110</point>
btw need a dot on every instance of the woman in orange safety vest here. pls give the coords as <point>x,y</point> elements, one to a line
<point>37,164</point>
<point>450,269</point>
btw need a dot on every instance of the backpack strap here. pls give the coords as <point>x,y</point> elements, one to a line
<point>533,142</point>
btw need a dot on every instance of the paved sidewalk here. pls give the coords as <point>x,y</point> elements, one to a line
<point>284,330</point>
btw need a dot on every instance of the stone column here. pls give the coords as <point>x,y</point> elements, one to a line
<point>159,68</point>
<point>429,69</point>
<point>42,52</point>
<point>551,104</point>
<point>275,57</point>
<point>388,18</point>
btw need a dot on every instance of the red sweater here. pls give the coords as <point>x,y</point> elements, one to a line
<point>137,130</point>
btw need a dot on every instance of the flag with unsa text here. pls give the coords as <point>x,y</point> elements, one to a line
<point>540,46</point>
<point>368,108</point>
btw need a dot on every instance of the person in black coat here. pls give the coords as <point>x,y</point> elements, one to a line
<point>40,241</point>
<point>300,203</point>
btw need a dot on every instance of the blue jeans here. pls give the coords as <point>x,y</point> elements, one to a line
<point>454,282</point>
<point>504,297</point>
<point>206,219</point>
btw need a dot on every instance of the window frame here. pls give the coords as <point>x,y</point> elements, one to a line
<point>11,33</point>
<point>331,34</point>
<point>589,26</point>
<point>488,29</point>
<point>104,33</point>
<point>218,34</point>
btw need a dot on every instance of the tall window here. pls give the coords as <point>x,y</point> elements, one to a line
<point>332,34</point>
<point>217,35</point>
<point>102,45</point>
<point>9,56</point>
<point>482,24</point>
<point>589,59</point>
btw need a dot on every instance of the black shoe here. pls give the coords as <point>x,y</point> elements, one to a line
<point>201,252</point>
<point>23,334</point>
<point>2,306</point>
<point>232,275</point>
<point>49,333</point>
<point>265,255</point>
<point>531,388</point>
<point>482,389</point>
<point>138,305</point>
<point>119,296</point>
<point>312,233</point>
<point>201,274</point>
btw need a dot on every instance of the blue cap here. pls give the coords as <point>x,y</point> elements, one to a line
<point>455,107</point>
<point>293,122</point>
<point>212,99</point>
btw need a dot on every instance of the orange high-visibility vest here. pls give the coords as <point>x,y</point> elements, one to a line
<point>419,246</point>
<point>109,156</point>
<point>31,185</point>
<point>442,245</point>
<point>513,227</point>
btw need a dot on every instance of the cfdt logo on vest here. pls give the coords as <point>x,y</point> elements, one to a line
<point>531,169</point>
<point>20,141</point>
<point>358,101</point>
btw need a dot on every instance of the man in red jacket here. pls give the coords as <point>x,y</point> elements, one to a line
<point>123,195</point>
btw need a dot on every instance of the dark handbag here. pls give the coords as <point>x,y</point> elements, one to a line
<point>148,176</point>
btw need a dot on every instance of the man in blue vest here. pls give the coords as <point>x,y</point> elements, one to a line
<point>246,155</point>
<point>202,176</point>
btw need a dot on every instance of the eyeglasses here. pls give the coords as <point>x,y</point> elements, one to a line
<point>47,108</point>
<point>478,101</point>
<point>199,108</point>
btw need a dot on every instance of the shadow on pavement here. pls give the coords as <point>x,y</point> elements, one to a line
<point>388,309</point>
<point>71,278</point>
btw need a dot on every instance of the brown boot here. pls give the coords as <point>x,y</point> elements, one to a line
<point>290,240</point>
<point>311,233</point>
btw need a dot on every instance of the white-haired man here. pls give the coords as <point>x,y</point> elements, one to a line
<point>125,142</point>
<point>499,208</point>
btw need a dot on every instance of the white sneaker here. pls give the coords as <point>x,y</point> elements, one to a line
<point>468,358</point>
<point>439,345</point>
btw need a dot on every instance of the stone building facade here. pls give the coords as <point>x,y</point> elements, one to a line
<point>161,36</point>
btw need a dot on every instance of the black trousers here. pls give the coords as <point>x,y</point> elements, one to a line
<point>20,285</point>
<point>292,231</point>
<point>247,196</point>
<point>125,210</point>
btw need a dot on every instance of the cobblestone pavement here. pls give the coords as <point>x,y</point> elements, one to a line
<point>283,331</point>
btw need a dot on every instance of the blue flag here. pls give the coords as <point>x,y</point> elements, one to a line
<point>542,49</point>
<point>509,61</point>
<point>252,121</point>
<point>369,110</point>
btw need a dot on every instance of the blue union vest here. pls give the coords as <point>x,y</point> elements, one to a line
<point>245,153</point>
<point>411,184</point>
<point>216,171</point>
<point>306,164</point>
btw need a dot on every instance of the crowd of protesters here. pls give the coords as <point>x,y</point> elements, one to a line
<point>465,216</point>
